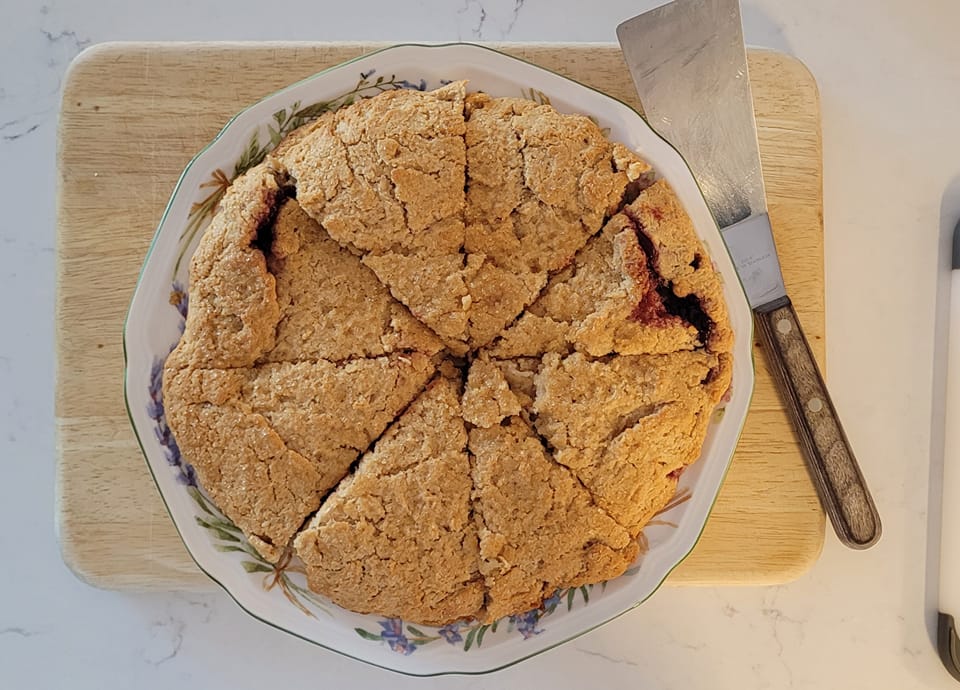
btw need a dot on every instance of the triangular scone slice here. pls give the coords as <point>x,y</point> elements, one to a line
<point>606,302</point>
<point>627,425</point>
<point>539,183</point>
<point>331,305</point>
<point>263,486</point>
<point>539,529</point>
<point>302,423</point>
<point>385,176</point>
<point>267,284</point>
<point>397,538</point>
<point>331,412</point>
<point>645,285</point>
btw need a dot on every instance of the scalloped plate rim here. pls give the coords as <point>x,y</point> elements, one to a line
<point>674,556</point>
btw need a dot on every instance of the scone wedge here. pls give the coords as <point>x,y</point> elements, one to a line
<point>397,537</point>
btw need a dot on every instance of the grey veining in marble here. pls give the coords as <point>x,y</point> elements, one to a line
<point>889,75</point>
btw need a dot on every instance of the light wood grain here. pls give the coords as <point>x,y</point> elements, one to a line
<point>132,117</point>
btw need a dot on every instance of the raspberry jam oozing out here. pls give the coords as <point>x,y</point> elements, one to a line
<point>660,306</point>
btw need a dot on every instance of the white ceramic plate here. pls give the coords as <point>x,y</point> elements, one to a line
<point>278,595</point>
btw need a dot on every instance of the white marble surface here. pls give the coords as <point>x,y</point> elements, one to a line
<point>890,84</point>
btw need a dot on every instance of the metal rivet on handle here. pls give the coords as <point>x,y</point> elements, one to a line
<point>815,404</point>
<point>784,326</point>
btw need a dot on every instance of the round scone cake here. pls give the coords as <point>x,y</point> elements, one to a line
<point>453,350</point>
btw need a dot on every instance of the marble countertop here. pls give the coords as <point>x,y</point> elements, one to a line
<point>890,88</point>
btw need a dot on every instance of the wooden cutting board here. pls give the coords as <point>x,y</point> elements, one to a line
<point>132,116</point>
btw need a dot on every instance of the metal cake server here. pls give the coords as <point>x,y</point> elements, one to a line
<point>689,65</point>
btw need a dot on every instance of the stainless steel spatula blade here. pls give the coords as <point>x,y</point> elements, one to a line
<point>699,75</point>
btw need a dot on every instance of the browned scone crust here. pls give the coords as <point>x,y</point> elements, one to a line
<point>620,385</point>
<point>331,305</point>
<point>540,534</point>
<point>292,366</point>
<point>611,298</point>
<point>539,184</point>
<point>314,417</point>
<point>675,253</point>
<point>494,309</point>
<point>331,412</point>
<point>387,178</point>
<point>397,538</point>
<point>233,307</point>
<point>627,427</point>
<point>266,489</point>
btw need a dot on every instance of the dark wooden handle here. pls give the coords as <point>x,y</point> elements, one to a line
<point>834,468</point>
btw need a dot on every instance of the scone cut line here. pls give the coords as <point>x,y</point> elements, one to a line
<point>454,350</point>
